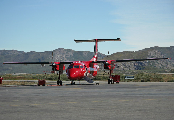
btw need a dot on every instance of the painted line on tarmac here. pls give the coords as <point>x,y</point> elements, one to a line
<point>15,105</point>
<point>73,88</point>
<point>71,102</point>
<point>150,99</point>
<point>124,100</point>
<point>53,103</point>
<point>35,104</point>
<point>95,101</point>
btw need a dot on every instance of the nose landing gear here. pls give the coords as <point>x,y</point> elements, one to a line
<point>72,82</point>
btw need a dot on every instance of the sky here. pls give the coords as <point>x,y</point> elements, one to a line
<point>46,25</point>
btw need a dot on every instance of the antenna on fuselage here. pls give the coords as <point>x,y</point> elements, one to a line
<point>108,53</point>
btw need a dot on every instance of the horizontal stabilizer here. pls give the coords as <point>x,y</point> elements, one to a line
<point>98,40</point>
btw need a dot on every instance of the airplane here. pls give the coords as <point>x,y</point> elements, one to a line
<point>86,70</point>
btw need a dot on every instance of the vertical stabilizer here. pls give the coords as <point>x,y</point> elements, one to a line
<point>95,51</point>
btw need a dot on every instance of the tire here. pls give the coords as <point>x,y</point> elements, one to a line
<point>112,81</point>
<point>58,82</point>
<point>108,81</point>
<point>61,83</point>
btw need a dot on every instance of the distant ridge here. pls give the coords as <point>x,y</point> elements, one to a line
<point>62,54</point>
<point>59,54</point>
<point>152,52</point>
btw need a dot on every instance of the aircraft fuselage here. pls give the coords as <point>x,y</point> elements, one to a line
<point>80,69</point>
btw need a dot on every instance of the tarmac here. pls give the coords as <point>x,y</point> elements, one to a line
<point>124,101</point>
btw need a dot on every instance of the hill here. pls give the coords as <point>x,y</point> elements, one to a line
<point>59,54</point>
<point>153,52</point>
<point>62,54</point>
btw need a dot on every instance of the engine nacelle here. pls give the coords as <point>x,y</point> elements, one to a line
<point>109,65</point>
<point>57,66</point>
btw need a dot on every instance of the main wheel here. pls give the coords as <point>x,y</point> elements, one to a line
<point>112,81</point>
<point>58,82</point>
<point>108,81</point>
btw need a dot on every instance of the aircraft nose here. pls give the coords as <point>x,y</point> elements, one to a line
<point>73,74</point>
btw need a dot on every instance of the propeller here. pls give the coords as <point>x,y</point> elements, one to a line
<point>104,72</point>
<point>53,67</point>
<point>52,55</point>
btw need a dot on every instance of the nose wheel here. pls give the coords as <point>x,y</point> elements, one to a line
<point>72,82</point>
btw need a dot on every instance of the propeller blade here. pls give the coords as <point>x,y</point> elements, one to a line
<point>52,55</point>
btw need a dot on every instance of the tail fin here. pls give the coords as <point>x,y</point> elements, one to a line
<point>96,45</point>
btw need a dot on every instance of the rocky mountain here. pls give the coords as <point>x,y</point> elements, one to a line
<point>62,54</point>
<point>59,54</point>
<point>153,52</point>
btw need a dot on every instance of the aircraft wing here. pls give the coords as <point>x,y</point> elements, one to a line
<point>99,61</point>
<point>53,64</point>
<point>27,63</point>
<point>128,60</point>
<point>68,62</point>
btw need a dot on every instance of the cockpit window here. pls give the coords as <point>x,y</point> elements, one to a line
<point>71,66</point>
<point>81,66</point>
<point>76,66</point>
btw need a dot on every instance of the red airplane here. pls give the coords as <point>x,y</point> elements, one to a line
<point>87,70</point>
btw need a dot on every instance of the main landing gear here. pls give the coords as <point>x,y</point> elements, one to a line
<point>110,81</point>
<point>59,82</point>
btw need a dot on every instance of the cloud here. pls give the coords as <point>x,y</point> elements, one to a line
<point>145,23</point>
